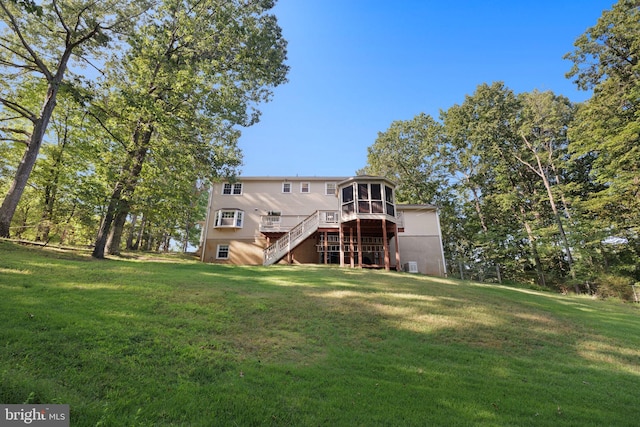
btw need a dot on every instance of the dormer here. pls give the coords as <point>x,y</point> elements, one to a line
<point>367,197</point>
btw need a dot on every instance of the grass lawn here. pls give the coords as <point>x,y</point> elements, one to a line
<point>176,342</point>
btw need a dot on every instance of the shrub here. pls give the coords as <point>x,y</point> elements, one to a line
<point>613,286</point>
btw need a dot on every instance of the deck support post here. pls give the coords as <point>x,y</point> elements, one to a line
<point>351,257</point>
<point>326,247</point>
<point>341,243</point>
<point>359,233</point>
<point>387,261</point>
<point>398,265</point>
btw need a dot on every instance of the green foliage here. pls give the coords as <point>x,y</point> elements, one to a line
<point>547,190</point>
<point>175,343</point>
<point>408,153</point>
<point>606,136</point>
<point>612,286</point>
<point>193,73</point>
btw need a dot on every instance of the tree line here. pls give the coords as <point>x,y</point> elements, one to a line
<point>130,108</point>
<point>546,189</point>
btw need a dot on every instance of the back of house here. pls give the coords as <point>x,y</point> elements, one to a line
<point>350,221</point>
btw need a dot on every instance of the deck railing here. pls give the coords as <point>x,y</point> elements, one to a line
<point>292,238</point>
<point>284,223</point>
<point>294,235</point>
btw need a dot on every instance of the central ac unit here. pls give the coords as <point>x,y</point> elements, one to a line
<point>411,267</point>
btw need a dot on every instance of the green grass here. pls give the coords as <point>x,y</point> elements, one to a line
<point>129,342</point>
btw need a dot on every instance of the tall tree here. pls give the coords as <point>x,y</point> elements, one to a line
<point>607,129</point>
<point>543,122</point>
<point>408,153</point>
<point>197,70</point>
<point>40,42</point>
<point>608,126</point>
<point>477,132</point>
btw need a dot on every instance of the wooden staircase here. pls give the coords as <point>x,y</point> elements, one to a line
<point>291,239</point>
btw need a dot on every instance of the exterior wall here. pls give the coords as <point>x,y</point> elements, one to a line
<point>261,195</point>
<point>241,252</point>
<point>424,251</point>
<point>421,241</point>
<point>305,253</point>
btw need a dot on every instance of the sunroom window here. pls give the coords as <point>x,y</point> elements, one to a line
<point>229,218</point>
<point>370,198</point>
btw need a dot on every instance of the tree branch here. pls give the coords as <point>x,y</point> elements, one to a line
<point>16,29</point>
<point>21,141</point>
<point>106,129</point>
<point>24,112</point>
<point>527,164</point>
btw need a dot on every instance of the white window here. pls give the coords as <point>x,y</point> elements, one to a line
<point>305,187</point>
<point>232,189</point>
<point>330,188</point>
<point>229,218</point>
<point>222,252</point>
<point>286,187</point>
<point>331,217</point>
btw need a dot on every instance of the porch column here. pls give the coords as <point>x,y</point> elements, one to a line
<point>359,232</point>
<point>351,260</point>
<point>398,266</point>
<point>341,238</point>
<point>326,247</point>
<point>387,261</point>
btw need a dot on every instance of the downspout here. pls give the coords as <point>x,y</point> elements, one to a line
<point>444,265</point>
<point>206,224</point>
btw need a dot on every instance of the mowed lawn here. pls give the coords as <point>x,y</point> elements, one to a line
<point>173,342</point>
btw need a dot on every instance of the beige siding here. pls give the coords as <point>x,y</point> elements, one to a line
<point>241,252</point>
<point>260,197</point>
<point>424,251</point>
<point>421,222</point>
<point>420,242</point>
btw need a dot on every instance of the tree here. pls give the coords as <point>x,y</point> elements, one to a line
<point>408,153</point>
<point>40,42</point>
<point>193,73</point>
<point>606,133</point>
<point>543,122</point>
<point>477,135</point>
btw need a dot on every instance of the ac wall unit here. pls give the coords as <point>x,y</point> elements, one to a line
<point>411,267</point>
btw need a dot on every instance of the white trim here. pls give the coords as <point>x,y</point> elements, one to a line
<point>444,263</point>
<point>218,250</point>
<point>326,188</point>
<point>206,224</point>
<point>232,189</point>
<point>289,184</point>
<point>308,184</point>
<point>237,220</point>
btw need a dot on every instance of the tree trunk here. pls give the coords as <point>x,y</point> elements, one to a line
<point>119,202</point>
<point>139,237</point>
<point>534,249</point>
<point>51,189</point>
<point>542,173</point>
<point>105,226</point>
<point>23,172</point>
<point>129,243</point>
<point>115,237</point>
<point>40,123</point>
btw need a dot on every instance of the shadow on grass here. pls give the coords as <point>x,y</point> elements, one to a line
<point>176,343</point>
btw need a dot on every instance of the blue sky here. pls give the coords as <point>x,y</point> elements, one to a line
<point>358,65</point>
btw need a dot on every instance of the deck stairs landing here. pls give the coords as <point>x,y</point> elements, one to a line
<point>291,239</point>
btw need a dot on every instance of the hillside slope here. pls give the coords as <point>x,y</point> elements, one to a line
<point>130,342</point>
